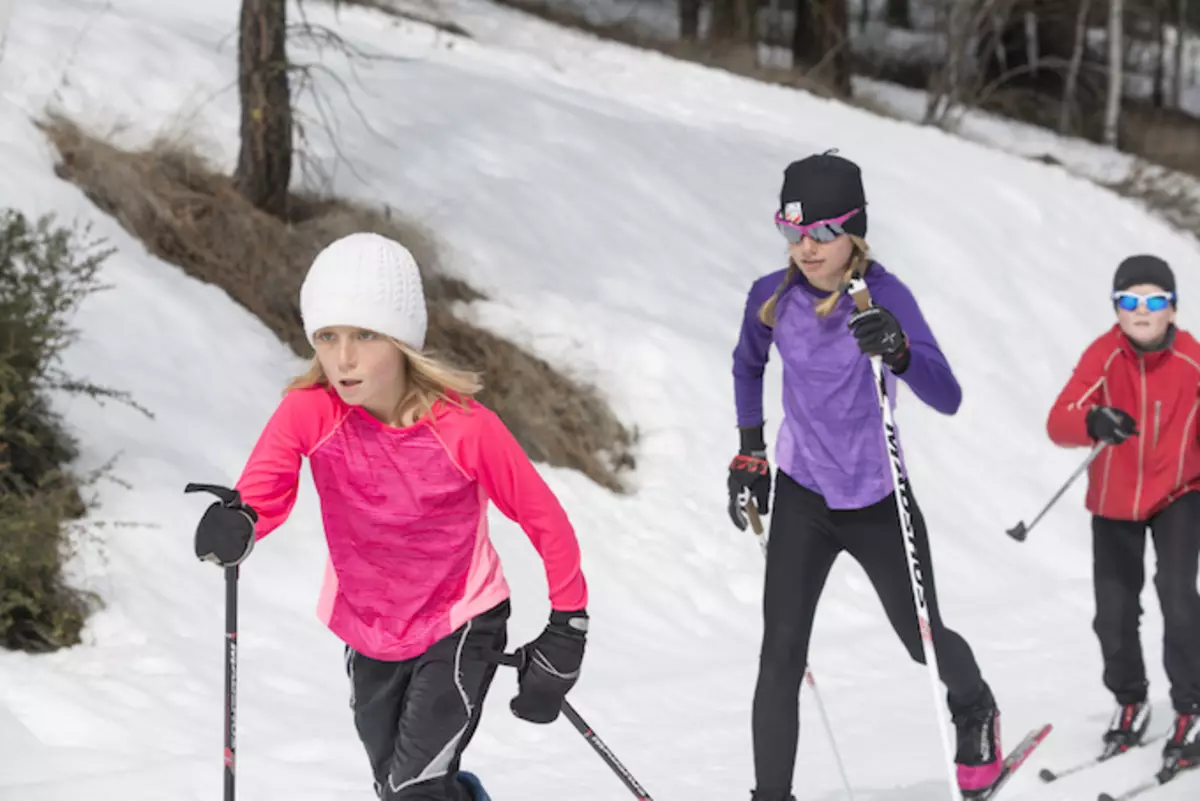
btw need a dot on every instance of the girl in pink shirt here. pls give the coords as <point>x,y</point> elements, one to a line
<point>405,461</point>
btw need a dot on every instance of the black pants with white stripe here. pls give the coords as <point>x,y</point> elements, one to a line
<point>1119,574</point>
<point>415,717</point>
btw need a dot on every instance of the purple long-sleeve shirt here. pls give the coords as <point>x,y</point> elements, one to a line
<point>831,439</point>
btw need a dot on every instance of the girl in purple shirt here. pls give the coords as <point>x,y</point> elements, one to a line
<point>834,489</point>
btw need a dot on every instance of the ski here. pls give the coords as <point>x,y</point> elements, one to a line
<point>1048,775</point>
<point>1164,775</point>
<point>1012,762</point>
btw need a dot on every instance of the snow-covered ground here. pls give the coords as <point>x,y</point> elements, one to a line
<point>510,30</point>
<point>616,205</point>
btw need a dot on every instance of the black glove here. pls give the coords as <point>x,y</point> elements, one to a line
<point>1110,424</point>
<point>549,667</point>
<point>225,534</point>
<point>749,477</point>
<point>879,334</point>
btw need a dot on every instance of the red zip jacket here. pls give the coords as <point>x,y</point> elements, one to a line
<point>1161,390</point>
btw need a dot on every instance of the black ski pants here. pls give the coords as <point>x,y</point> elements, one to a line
<point>1119,573</point>
<point>415,717</point>
<point>805,538</point>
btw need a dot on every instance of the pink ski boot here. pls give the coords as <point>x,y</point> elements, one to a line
<point>979,756</point>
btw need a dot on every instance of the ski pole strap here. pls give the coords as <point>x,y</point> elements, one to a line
<point>513,659</point>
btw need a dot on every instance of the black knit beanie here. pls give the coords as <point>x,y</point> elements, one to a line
<point>824,186</point>
<point>1143,269</point>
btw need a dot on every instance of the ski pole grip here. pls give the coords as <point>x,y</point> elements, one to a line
<point>857,288</point>
<point>228,497</point>
<point>755,520</point>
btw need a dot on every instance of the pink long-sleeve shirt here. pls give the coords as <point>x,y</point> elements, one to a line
<point>405,516</point>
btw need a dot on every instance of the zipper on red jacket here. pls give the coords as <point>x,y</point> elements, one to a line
<point>1137,498</point>
<point>1157,417</point>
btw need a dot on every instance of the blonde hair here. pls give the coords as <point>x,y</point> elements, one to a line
<point>429,380</point>
<point>859,259</point>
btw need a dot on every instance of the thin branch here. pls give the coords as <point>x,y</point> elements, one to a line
<point>325,38</point>
<point>323,35</point>
<point>400,13</point>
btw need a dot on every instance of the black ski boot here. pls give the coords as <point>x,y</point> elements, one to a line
<point>1183,746</point>
<point>1128,727</point>
<point>756,795</point>
<point>979,759</point>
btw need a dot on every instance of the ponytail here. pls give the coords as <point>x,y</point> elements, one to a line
<point>766,312</point>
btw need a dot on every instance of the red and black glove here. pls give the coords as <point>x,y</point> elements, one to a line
<point>749,477</point>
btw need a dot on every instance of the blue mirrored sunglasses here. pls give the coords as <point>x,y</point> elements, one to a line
<point>1155,301</point>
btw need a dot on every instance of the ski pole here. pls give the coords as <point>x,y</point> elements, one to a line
<point>862,298</point>
<point>1020,531</point>
<point>756,523</point>
<point>605,753</point>
<point>589,734</point>
<point>229,498</point>
<point>231,613</point>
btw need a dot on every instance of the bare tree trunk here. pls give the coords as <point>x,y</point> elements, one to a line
<point>264,166</point>
<point>689,20</point>
<point>821,42</point>
<point>720,21</point>
<point>1158,93</point>
<point>956,50</point>
<point>805,50</point>
<point>899,14</point>
<point>731,22</point>
<point>937,95</point>
<point>1116,71</point>
<point>1031,41</point>
<point>1180,40</point>
<point>960,23</point>
<point>743,17</point>
<point>774,32</point>
<point>834,34</point>
<point>1068,101</point>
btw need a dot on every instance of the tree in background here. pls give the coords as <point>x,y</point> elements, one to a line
<point>1116,70</point>
<point>689,20</point>
<point>821,43</point>
<point>264,166</point>
<point>732,23</point>
<point>898,13</point>
<point>1180,21</point>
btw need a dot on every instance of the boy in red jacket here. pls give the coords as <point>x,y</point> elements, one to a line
<point>1137,388</point>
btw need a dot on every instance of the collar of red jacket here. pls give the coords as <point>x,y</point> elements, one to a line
<point>1151,357</point>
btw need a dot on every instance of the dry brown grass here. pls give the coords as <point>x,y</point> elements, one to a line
<point>1173,196</point>
<point>1165,136</point>
<point>188,214</point>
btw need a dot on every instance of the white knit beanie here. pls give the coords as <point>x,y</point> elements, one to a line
<point>367,281</point>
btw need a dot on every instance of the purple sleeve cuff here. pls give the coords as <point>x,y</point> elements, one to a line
<point>928,374</point>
